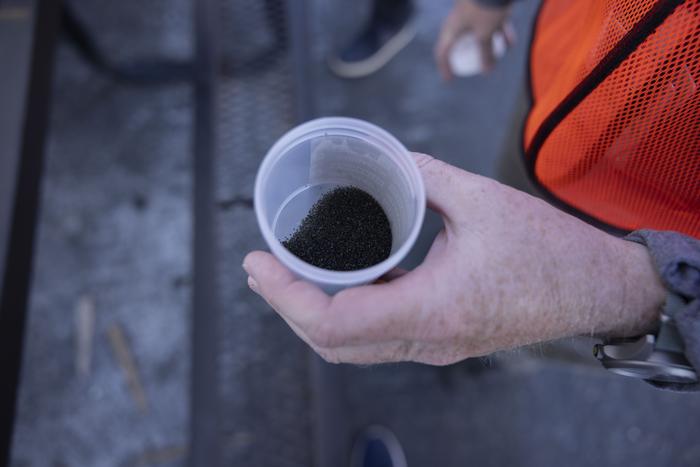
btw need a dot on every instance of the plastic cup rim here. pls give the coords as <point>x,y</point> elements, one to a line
<point>307,131</point>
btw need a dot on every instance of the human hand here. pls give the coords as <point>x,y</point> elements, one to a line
<point>482,21</point>
<point>507,270</point>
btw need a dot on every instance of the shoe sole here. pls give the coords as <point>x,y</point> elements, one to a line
<point>378,60</point>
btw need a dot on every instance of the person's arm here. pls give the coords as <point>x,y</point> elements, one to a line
<point>507,270</point>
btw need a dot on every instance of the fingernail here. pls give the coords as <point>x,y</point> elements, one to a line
<point>253,284</point>
<point>244,265</point>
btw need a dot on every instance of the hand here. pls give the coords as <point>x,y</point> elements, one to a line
<point>507,270</point>
<point>482,21</point>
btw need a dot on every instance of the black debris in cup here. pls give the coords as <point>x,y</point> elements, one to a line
<point>345,230</point>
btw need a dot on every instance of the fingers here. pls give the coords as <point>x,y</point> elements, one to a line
<point>299,301</point>
<point>451,30</point>
<point>341,349</point>
<point>488,60</point>
<point>509,33</point>
<point>442,58</point>
<point>305,309</point>
<point>356,316</point>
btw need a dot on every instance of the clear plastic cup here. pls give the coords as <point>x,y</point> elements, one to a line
<point>322,154</point>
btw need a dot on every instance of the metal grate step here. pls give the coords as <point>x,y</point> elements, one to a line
<point>260,382</point>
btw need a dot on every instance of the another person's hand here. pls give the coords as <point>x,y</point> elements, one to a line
<point>507,270</point>
<point>482,21</point>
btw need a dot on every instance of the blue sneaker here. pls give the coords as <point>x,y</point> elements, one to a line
<point>389,30</point>
<point>376,446</point>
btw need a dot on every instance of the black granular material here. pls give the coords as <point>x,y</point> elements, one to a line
<point>345,230</point>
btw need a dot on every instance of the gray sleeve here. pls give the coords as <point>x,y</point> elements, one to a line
<point>677,260</point>
<point>494,3</point>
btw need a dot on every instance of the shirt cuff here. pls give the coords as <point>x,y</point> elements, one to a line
<point>494,3</point>
<point>677,260</point>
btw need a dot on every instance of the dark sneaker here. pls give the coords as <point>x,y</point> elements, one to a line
<point>376,446</point>
<point>384,37</point>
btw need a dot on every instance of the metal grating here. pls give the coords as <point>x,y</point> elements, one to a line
<point>262,380</point>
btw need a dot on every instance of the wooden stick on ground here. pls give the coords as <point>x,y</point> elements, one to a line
<point>153,456</point>
<point>121,350</point>
<point>84,332</point>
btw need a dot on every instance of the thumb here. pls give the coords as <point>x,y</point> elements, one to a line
<point>442,185</point>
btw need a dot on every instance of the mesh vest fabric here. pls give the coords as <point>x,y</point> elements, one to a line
<point>626,152</point>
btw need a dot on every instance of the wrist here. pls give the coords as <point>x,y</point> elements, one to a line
<point>642,293</point>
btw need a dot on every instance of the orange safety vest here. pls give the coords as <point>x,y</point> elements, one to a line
<point>614,128</point>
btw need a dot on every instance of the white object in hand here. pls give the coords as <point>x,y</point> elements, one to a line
<point>465,56</point>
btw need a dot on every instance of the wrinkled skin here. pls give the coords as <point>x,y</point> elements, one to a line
<point>507,270</point>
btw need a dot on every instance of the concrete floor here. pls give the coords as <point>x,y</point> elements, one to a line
<point>115,231</point>
<point>116,227</point>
